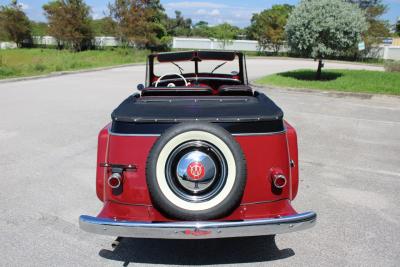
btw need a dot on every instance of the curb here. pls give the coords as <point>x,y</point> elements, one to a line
<point>62,73</point>
<point>310,59</point>
<point>325,92</point>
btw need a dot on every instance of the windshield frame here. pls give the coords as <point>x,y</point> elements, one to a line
<point>198,56</point>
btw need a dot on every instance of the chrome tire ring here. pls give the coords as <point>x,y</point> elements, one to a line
<point>190,153</point>
<point>196,189</point>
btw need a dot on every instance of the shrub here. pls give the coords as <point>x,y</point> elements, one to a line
<point>392,66</point>
<point>7,71</point>
<point>39,67</point>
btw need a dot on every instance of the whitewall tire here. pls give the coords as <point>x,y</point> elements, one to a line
<point>167,189</point>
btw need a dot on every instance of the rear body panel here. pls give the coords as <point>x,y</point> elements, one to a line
<point>263,153</point>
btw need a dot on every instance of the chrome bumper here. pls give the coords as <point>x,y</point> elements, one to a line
<point>198,230</point>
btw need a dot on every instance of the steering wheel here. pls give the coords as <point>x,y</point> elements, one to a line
<point>169,74</point>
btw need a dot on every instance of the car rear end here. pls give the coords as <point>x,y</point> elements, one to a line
<point>210,167</point>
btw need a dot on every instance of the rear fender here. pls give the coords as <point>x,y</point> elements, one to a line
<point>102,157</point>
<point>291,136</point>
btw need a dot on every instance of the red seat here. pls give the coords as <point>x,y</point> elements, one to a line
<point>235,90</point>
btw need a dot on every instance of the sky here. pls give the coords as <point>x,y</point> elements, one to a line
<point>236,12</point>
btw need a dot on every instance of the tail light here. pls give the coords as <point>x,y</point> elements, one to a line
<point>279,180</point>
<point>115,180</point>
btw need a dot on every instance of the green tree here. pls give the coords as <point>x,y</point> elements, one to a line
<point>104,27</point>
<point>179,26</point>
<point>14,24</point>
<point>140,23</point>
<point>377,28</point>
<point>268,27</point>
<point>225,33</point>
<point>201,29</point>
<point>39,28</point>
<point>70,23</point>
<point>321,28</point>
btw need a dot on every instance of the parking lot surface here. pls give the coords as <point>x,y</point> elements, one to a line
<point>349,162</point>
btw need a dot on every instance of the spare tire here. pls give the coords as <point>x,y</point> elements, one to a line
<point>196,171</point>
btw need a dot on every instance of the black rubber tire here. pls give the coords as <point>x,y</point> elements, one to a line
<point>221,210</point>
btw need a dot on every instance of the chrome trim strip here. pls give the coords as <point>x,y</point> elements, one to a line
<point>157,135</point>
<point>290,168</point>
<point>129,204</point>
<point>260,134</point>
<point>105,171</point>
<point>143,135</point>
<point>198,230</point>
<point>263,202</point>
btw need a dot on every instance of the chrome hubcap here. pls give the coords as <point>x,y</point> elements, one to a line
<point>196,171</point>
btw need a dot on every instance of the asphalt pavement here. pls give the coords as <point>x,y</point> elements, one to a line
<point>349,163</point>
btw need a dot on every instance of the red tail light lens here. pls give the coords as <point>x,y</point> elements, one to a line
<point>278,179</point>
<point>114,181</point>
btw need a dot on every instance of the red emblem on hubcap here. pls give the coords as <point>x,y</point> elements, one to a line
<point>196,171</point>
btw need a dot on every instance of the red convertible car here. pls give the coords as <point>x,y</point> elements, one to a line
<point>197,153</point>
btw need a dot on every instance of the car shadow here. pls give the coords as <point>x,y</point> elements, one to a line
<point>197,252</point>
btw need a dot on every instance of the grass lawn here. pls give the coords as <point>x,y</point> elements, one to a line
<point>29,62</point>
<point>359,81</point>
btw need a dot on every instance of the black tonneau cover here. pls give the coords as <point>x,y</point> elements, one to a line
<point>164,109</point>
